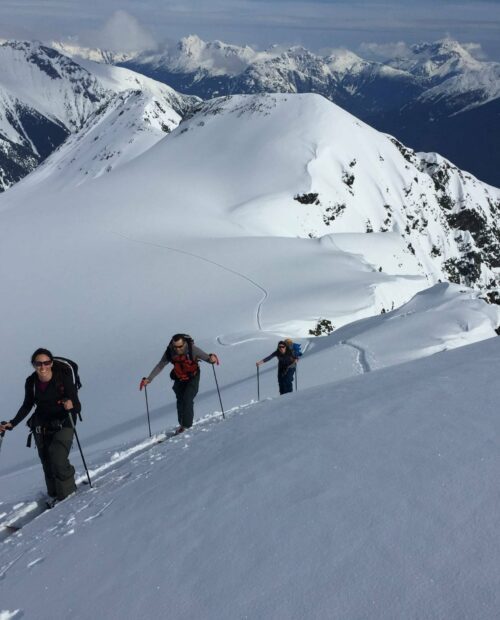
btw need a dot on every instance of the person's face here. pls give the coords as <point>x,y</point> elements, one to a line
<point>178,345</point>
<point>43,366</point>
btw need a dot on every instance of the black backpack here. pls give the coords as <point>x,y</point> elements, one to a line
<point>68,367</point>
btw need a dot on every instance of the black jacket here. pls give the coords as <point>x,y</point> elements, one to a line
<point>286,360</point>
<point>49,407</point>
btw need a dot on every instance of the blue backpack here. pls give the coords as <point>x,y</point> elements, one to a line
<point>295,349</point>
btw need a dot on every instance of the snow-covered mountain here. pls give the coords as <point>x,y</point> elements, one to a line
<point>258,217</point>
<point>350,179</point>
<point>412,98</point>
<point>46,97</point>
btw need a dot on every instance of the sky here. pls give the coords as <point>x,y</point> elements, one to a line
<point>376,27</point>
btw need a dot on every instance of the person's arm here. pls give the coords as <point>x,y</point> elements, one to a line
<point>29,401</point>
<point>199,354</point>
<point>156,370</point>
<point>266,359</point>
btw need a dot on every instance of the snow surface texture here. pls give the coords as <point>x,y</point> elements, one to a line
<point>347,499</point>
<point>202,234</point>
<point>373,497</point>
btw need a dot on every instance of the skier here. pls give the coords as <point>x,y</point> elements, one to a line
<point>287,362</point>
<point>54,394</point>
<point>184,355</point>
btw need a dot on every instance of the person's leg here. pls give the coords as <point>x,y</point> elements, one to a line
<point>178,388</point>
<point>286,381</point>
<point>63,471</point>
<point>187,401</point>
<point>41,442</point>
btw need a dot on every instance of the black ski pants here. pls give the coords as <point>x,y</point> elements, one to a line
<point>185,391</point>
<point>285,381</point>
<point>53,450</point>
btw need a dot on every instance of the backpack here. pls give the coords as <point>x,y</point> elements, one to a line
<point>294,347</point>
<point>183,370</point>
<point>68,366</point>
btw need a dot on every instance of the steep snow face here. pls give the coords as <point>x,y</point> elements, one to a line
<point>119,80</point>
<point>49,82</point>
<point>45,96</point>
<point>129,125</point>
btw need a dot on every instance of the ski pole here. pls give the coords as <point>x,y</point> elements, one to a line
<point>296,375</point>
<point>258,384</point>
<point>218,392</point>
<point>1,439</point>
<point>147,407</point>
<point>79,447</point>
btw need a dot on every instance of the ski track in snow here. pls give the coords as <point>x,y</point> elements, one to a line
<point>362,359</point>
<point>258,313</point>
<point>102,476</point>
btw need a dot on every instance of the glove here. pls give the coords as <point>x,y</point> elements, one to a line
<point>6,428</point>
<point>143,383</point>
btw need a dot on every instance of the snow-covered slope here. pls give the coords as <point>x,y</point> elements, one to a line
<point>45,97</point>
<point>329,173</point>
<point>205,233</point>
<point>374,497</point>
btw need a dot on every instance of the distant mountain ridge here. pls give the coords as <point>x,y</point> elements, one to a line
<point>421,98</point>
<point>45,96</point>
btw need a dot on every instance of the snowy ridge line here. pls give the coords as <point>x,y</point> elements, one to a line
<point>34,508</point>
<point>210,261</point>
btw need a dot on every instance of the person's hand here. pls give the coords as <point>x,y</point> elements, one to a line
<point>68,404</point>
<point>259,363</point>
<point>143,383</point>
<point>5,426</point>
<point>213,359</point>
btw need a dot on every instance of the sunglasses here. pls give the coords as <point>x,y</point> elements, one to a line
<point>44,363</point>
<point>282,346</point>
<point>178,346</point>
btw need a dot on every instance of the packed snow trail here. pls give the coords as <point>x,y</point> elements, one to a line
<point>23,512</point>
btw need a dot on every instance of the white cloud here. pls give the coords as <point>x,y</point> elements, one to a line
<point>384,51</point>
<point>475,50</point>
<point>122,32</point>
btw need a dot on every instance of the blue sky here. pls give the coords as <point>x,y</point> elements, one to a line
<point>316,25</point>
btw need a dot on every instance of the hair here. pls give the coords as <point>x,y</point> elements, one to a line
<point>41,352</point>
<point>281,343</point>
<point>177,337</point>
